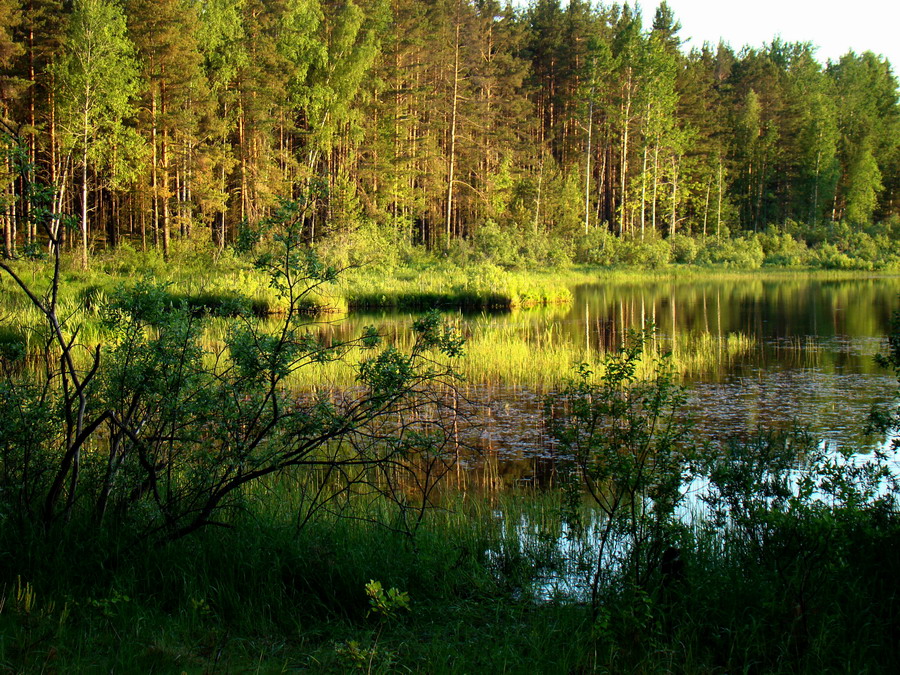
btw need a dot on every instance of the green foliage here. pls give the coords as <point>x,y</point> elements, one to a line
<point>482,286</point>
<point>597,247</point>
<point>740,253</point>
<point>514,247</point>
<point>782,250</point>
<point>386,604</point>
<point>685,249</point>
<point>829,257</point>
<point>795,524</point>
<point>13,346</point>
<point>653,253</point>
<point>887,420</point>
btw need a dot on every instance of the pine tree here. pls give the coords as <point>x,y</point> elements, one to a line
<point>869,123</point>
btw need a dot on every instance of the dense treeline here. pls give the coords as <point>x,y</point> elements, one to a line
<point>435,121</point>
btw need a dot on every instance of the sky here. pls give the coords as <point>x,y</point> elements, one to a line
<point>836,27</point>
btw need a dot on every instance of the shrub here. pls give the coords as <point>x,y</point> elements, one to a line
<point>620,438</point>
<point>158,436</point>
<point>740,252</point>
<point>830,258</point>
<point>685,249</point>
<point>598,247</point>
<point>650,254</point>
<point>783,250</point>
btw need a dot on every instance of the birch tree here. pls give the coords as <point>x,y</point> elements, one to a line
<point>97,78</point>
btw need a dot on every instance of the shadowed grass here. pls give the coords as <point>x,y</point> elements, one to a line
<point>263,598</point>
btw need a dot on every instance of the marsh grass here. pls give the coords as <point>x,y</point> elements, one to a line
<point>261,596</point>
<point>533,353</point>
<point>446,286</point>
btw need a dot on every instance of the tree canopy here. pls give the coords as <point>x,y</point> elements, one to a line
<point>437,121</point>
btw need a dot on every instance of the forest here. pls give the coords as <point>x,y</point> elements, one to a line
<point>441,123</point>
<point>443,336</point>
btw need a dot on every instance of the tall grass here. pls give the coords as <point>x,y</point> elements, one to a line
<point>448,286</point>
<point>532,353</point>
<point>261,597</point>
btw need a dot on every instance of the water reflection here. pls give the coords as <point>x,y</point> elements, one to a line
<point>754,352</point>
<point>811,361</point>
<point>565,558</point>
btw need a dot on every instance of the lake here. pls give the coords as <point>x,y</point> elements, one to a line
<point>770,352</point>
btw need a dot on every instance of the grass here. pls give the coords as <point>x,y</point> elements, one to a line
<point>524,349</point>
<point>209,280</point>
<point>530,347</point>
<point>485,287</point>
<point>532,353</point>
<point>216,283</point>
<point>262,598</point>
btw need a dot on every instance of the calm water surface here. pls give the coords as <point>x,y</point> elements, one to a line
<point>808,358</point>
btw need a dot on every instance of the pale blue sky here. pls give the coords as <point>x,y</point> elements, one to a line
<point>836,27</point>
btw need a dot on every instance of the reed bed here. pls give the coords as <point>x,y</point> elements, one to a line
<point>477,288</point>
<point>531,353</point>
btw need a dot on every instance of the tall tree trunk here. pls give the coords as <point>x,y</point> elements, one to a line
<point>242,144</point>
<point>814,216</point>
<point>644,192</point>
<point>84,192</point>
<point>540,185</point>
<point>655,184</point>
<point>587,167</point>
<point>719,204</point>
<point>154,172</point>
<point>165,179</point>
<point>452,158</point>
<point>673,222</point>
<point>706,205</point>
<point>626,114</point>
<point>9,237</point>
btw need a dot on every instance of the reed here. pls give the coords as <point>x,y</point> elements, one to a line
<point>476,288</point>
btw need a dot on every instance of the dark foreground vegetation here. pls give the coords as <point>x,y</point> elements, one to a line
<point>167,506</point>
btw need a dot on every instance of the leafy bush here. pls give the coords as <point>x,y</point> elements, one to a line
<point>620,440</point>
<point>783,250</point>
<point>598,247</point>
<point>740,252</point>
<point>685,249</point>
<point>512,246</point>
<point>829,257</point>
<point>651,253</point>
<point>158,436</point>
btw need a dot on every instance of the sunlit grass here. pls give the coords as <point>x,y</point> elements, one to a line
<point>528,353</point>
<point>484,287</point>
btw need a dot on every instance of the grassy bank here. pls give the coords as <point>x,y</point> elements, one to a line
<point>449,286</point>
<point>209,281</point>
<point>525,346</point>
<point>260,598</point>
